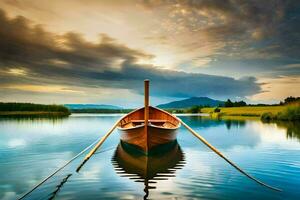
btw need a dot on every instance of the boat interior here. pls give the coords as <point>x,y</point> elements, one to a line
<point>157,118</point>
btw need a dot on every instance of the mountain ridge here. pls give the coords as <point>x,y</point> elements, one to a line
<point>91,106</point>
<point>193,101</point>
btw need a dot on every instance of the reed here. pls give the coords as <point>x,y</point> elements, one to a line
<point>289,113</point>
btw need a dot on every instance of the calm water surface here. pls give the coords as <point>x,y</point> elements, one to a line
<point>31,149</point>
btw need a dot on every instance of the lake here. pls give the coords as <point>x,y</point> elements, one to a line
<point>31,149</point>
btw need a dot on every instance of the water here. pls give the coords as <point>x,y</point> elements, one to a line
<point>31,149</point>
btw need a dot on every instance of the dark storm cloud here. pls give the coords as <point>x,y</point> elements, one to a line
<point>70,60</point>
<point>34,46</point>
<point>250,14</point>
<point>245,28</point>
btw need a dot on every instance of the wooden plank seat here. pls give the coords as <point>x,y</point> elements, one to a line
<point>157,122</point>
<point>150,120</point>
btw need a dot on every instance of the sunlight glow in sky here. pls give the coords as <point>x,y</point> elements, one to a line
<point>91,51</point>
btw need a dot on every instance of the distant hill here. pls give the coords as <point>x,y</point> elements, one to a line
<point>91,106</point>
<point>193,101</point>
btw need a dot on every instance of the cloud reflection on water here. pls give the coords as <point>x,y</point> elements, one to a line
<point>269,151</point>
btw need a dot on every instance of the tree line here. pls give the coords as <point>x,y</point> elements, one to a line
<point>229,103</point>
<point>290,100</point>
<point>31,107</point>
<point>286,101</point>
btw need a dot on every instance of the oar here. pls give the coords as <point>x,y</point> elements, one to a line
<point>80,153</point>
<point>226,159</point>
<point>89,155</point>
<point>55,172</point>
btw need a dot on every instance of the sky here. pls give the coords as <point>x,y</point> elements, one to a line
<point>100,51</point>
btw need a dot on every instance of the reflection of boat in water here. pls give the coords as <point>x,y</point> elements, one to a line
<point>160,165</point>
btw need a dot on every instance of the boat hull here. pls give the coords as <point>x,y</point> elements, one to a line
<point>155,134</point>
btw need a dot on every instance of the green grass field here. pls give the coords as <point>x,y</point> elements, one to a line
<point>254,111</point>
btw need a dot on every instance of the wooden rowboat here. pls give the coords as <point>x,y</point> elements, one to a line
<point>148,127</point>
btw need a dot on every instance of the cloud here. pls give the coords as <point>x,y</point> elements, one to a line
<point>241,27</point>
<point>224,15</point>
<point>180,33</point>
<point>42,88</point>
<point>276,88</point>
<point>33,57</point>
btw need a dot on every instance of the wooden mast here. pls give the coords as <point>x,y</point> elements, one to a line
<point>146,110</point>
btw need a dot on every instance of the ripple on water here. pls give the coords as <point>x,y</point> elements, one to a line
<point>200,175</point>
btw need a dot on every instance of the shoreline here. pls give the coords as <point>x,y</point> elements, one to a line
<point>32,114</point>
<point>234,113</point>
